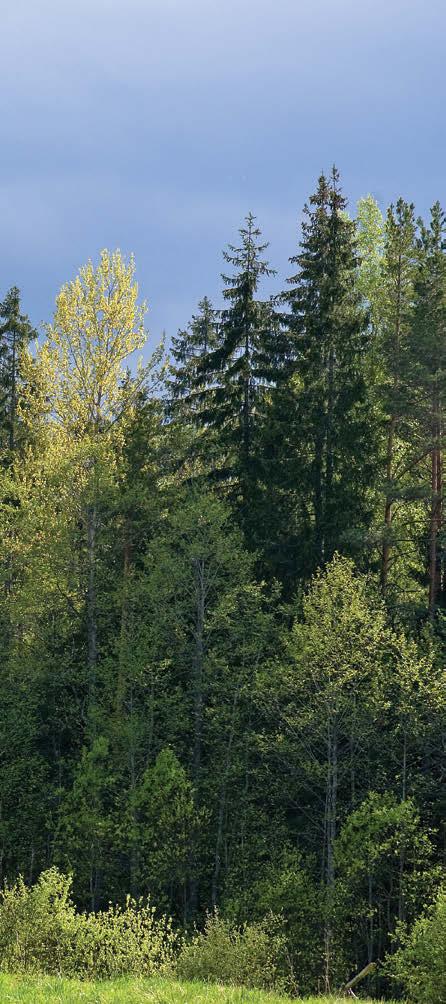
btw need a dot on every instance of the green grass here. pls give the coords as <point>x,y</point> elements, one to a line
<point>42,989</point>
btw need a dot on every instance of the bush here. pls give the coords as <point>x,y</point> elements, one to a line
<point>124,941</point>
<point>253,955</point>
<point>419,965</point>
<point>40,931</point>
<point>38,925</point>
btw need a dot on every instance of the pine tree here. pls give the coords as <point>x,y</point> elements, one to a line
<point>331,422</point>
<point>16,332</point>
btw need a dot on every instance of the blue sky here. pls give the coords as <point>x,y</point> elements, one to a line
<point>155,125</point>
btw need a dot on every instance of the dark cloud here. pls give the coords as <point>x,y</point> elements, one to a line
<point>156,124</point>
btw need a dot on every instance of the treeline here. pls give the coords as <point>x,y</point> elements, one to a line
<point>223,589</point>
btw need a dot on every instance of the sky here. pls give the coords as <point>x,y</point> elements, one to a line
<point>156,125</point>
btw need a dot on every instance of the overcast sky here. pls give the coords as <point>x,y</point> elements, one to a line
<point>155,125</point>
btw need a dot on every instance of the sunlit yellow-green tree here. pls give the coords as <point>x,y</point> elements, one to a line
<point>98,324</point>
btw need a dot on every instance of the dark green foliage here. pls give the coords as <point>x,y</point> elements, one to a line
<point>238,378</point>
<point>221,621</point>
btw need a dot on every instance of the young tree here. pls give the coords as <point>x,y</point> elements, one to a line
<point>165,824</point>
<point>326,704</point>
<point>384,861</point>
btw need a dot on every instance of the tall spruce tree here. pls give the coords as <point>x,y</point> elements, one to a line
<point>332,423</point>
<point>16,332</point>
<point>241,372</point>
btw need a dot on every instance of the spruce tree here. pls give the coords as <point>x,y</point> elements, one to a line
<point>189,348</point>
<point>332,425</point>
<point>16,332</point>
<point>241,372</point>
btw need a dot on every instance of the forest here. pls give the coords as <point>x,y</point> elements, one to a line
<point>223,589</point>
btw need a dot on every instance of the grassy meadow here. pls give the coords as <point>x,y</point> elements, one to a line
<point>51,990</point>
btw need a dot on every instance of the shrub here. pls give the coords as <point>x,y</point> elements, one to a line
<point>124,941</point>
<point>40,931</point>
<point>38,925</point>
<point>253,955</point>
<point>419,965</point>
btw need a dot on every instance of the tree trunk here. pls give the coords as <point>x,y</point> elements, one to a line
<point>329,467</point>
<point>401,909</point>
<point>222,802</point>
<point>318,497</point>
<point>436,504</point>
<point>13,402</point>
<point>388,514</point>
<point>370,937</point>
<point>197,700</point>
<point>197,669</point>
<point>330,837</point>
<point>124,632</point>
<point>91,603</point>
